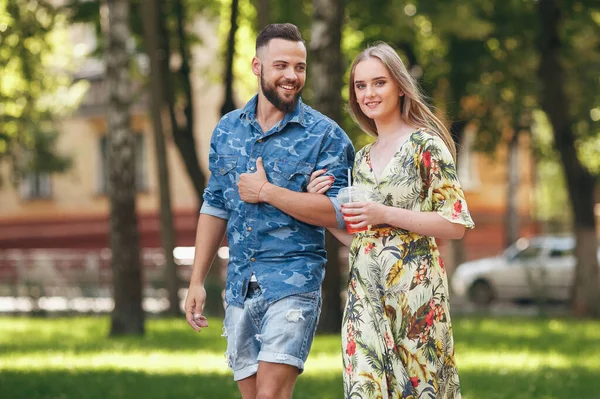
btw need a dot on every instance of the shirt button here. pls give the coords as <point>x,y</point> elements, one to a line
<point>251,167</point>
<point>253,259</point>
<point>260,140</point>
<point>249,228</point>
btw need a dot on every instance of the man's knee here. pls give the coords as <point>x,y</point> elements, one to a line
<point>266,395</point>
<point>275,392</point>
<point>275,381</point>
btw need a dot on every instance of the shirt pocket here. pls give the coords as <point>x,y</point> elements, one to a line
<point>226,174</point>
<point>292,175</point>
<point>225,164</point>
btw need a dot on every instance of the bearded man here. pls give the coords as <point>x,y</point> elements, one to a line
<point>261,158</point>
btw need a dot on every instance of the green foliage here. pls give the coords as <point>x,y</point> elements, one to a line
<point>581,33</point>
<point>34,87</point>
<point>244,80</point>
<point>498,358</point>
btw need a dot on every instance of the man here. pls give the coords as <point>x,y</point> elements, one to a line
<point>261,158</point>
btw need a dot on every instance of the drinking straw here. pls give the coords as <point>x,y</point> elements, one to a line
<point>349,185</point>
<point>349,177</point>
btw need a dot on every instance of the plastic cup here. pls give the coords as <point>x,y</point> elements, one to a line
<point>353,194</point>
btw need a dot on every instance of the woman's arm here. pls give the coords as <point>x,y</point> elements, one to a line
<point>362,214</point>
<point>342,235</point>
<point>319,184</point>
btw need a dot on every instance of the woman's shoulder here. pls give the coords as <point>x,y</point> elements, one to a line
<point>428,138</point>
<point>361,152</point>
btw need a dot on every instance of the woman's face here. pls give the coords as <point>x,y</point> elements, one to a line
<point>376,93</point>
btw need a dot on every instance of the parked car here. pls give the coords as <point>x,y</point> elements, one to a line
<point>541,267</point>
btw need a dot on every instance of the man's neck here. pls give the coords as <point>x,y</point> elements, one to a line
<point>267,115</point>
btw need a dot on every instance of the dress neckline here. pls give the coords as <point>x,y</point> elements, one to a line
<point>400,147</point>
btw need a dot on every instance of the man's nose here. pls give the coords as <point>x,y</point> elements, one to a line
<point>290,74</point>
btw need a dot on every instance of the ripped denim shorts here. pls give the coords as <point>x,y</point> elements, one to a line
<point>281,332</point>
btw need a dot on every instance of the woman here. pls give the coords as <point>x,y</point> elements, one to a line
<point>396,333</point>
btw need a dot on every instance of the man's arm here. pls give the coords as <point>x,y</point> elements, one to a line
<point>315,209</point>
<point>311,208</point>
<point>209,235</point>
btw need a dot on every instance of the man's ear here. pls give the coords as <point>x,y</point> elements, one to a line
<point>256,66</point>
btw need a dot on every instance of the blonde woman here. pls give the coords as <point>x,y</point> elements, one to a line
<point>396,333</point>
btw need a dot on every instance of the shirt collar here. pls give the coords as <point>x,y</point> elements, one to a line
<point>296,116</point>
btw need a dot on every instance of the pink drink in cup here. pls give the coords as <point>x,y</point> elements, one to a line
<point>353,194</point>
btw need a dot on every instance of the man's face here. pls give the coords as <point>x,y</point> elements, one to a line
<point>282,71</point>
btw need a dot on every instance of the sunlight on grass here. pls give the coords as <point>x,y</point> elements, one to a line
<point>514,358</point>
<point>156,363</point>
<point>522,361</point>
<point>318,364</point>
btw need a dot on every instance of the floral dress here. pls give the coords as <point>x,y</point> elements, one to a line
<point>396,333</point>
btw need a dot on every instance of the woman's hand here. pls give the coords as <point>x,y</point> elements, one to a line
<point>319,183</point>
<point>363,214</point>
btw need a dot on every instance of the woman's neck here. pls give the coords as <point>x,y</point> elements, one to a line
<point>392,130</point>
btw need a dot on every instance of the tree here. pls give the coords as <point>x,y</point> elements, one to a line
<point>180,99</point>
<point>556,101</point>
<point>127,317</point>
<point>176,82</point>
<point>264,15</point>
<point>155,49</point>
<point>29,106</point>
<point>505,93</point>
<point>229,103</point>
<point>326,82</point>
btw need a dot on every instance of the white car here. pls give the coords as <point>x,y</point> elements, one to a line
<point>539,268</point>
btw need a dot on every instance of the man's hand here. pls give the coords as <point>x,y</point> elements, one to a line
<point>194,305</point>
<point>250,184</point>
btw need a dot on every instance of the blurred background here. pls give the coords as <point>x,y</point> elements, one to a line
<point>106,112</point>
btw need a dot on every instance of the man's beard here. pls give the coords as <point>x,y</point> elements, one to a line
<point>270,92</point>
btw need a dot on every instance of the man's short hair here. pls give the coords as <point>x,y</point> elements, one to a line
<point>284,31</point>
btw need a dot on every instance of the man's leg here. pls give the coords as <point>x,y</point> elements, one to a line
<point>247,387</point>
<point>275,380</point>
<point>287,331</point>
<point>242,346</point>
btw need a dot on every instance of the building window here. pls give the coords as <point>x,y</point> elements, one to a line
<point>140,164</point>
<point>36,185</point>
<point>468,162</point>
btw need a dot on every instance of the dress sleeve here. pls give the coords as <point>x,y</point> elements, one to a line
<point>442,192</point>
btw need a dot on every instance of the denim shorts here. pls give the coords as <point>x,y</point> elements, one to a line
<point>280,332</point>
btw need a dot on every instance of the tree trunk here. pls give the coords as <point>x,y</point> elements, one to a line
<point>127,316</point>
<point>512,225</point>
<point>264,15</point>
<point>580,182</point>
<point>183,135</point>
<point>228,103</point>
<point>326,81</point>
<point>151,13</point>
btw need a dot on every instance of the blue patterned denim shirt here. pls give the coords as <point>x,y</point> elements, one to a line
<point>286,255</point>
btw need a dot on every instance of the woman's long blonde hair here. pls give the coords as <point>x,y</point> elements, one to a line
<point>414,111</point>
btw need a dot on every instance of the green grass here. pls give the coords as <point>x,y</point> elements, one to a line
<point>72,358</point>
